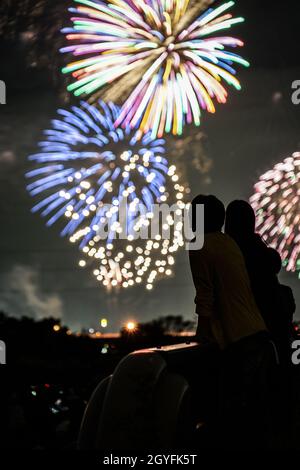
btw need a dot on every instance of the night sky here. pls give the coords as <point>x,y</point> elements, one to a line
<point>39,273</point>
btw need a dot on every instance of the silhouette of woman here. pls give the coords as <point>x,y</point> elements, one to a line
<point>240,225</point>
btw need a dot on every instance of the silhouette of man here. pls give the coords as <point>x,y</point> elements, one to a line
<point>225,305</point>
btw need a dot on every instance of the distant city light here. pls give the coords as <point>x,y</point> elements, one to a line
<point>56,328</point>
<point>103,322</point>
<point>131,326</point>
<point>104,350</point>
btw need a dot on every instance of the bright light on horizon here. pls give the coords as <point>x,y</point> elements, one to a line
<point>131,326</point>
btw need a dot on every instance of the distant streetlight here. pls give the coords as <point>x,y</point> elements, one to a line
<point>103,322</point>
<point>56,328</point>
<point>131,326</point>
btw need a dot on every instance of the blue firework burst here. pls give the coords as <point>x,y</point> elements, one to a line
<point>84,170</point>
<point>84,162</point>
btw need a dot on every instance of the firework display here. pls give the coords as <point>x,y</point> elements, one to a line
<point>163,62</point>
<point>159,58</point>
<point>85,171</point>
<point>277,203</point>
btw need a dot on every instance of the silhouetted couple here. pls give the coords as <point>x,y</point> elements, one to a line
<point>242,308</point>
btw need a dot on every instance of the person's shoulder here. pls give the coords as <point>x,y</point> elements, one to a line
<point>288,297</point>
<point>286,289</point>
<point>208,242</point>
<point>219,242</point>
<point>259,243</point>
<point>227,239</point>
<point>213,242</point>
<point>230,246</point>
<point>218,239</point>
